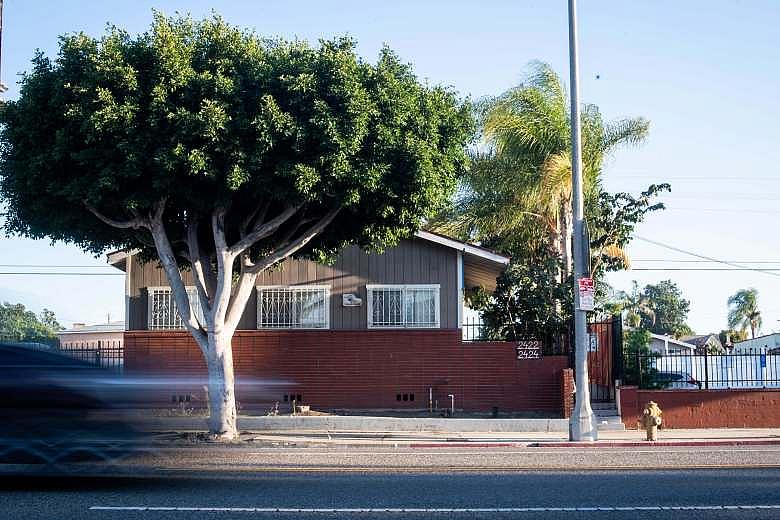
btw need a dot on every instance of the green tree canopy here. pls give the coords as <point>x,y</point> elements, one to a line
<point>743,311</point>
<point>669,309</point>
<point>19,324</point>
<point>207,146</point>
<point>203,115</point>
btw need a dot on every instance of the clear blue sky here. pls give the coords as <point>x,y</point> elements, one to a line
<point>705,73</point>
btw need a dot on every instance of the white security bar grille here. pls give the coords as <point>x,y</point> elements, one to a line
<point>162,313</point>
<point>300,307</point>
<point>409,306</point>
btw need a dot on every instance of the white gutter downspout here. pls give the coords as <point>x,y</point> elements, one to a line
<point>128,268</point>
<point>461,294</point>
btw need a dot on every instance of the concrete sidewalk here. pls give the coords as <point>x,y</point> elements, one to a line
<point>388,431</point>
<point>357,423</point>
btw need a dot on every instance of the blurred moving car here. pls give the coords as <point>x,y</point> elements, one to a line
<point>54,410</point>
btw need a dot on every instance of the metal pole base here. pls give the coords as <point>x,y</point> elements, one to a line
<point>583,425</point>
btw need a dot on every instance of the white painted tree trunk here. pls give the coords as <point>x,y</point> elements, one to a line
<point>221,386</point>
<point>221,300</point>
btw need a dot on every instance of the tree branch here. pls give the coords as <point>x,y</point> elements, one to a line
<point>261,231</point>
<point>241,294</point>
<point>284,250</point>
<point>225,258</point>
<point>202,279</point>
<point>171,267</point>
<point>135,223</point>
<point>255,217</point>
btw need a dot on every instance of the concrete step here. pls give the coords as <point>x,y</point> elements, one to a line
<point>605,412</point>
<point>603,405</point>
<point>611,423</point>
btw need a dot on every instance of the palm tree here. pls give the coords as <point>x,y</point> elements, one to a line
<point>636,305</point>
<point>743,311</point>
<point>519,183</point>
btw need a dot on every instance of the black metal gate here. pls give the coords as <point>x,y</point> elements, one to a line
<point>605,357</point>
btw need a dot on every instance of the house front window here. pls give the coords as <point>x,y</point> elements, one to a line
<point>296,307</point>
<point>162,312</point>
<point>403,306</point>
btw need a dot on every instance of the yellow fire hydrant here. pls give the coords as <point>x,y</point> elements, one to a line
<point>651,420</point>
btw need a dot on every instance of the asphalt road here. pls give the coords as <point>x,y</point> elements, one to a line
<point>529,494</point>
<point>449,459</point>
<point>215,482</point>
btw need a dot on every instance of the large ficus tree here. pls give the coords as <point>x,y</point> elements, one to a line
<point>209,148</point>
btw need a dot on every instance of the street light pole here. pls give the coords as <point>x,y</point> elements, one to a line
<point>582,425</point>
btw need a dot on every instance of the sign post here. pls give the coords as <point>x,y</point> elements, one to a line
<point>582,425</point>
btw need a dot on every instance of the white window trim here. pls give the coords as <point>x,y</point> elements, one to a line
<point>150,300</point>
<point>259,288</point>
<point>370,305</point>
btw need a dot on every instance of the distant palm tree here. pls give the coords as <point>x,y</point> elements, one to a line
<point>520,181</point>
<point>743,311</point>
<point>636,305</point>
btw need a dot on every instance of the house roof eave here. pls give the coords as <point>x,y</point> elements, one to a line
<point>469,249</point>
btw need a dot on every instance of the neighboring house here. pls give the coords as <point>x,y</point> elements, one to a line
<point>768,344</point>
<point>369,331</point>
<point>705,342</point>
<point>100,336</point>
<point>666,345</point>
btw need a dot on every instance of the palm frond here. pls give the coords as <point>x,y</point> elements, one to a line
<point>618,253</point>
<point>630,132</point>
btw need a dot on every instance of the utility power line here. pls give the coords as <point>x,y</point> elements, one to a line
<point>724,210</point>
<point>634,174</point>
<point>703,261</point>
<point>51,273</point>
<point>709,258</point>
<point>57,266</point>
<point>736,269</point>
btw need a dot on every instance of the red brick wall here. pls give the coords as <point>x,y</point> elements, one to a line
<point>363,369</point>
<point>745,408</point>
<point>567,391</point>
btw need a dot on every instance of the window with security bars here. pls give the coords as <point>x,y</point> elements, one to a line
<point>299,307</point>
<point>403,306</point>
<point>162,312</point>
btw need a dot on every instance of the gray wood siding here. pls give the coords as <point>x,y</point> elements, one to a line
<point>411,262</point>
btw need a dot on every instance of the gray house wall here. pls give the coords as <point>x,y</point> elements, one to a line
<point>413,261</point>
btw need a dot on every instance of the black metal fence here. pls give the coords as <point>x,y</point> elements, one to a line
<point>473,330</point>
<point>103,357</point>
<point>705,371</point>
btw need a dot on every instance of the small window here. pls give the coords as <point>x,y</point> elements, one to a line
<point>162,313</point>
<point>403,306</point>
<point>299,307</point>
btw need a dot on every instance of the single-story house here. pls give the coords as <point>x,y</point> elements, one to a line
<point>767,344</point>
<point>370,331</point>
<point>666,345</point>
<point>99,336</point>
<point>705,342</point>
<point>418,284</point>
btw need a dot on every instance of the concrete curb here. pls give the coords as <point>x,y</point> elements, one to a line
<point>656,444</point>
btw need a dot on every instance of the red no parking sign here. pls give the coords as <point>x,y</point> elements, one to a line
<point>586,293</point>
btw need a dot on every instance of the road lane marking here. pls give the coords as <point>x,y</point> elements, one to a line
<point>443,510</point>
